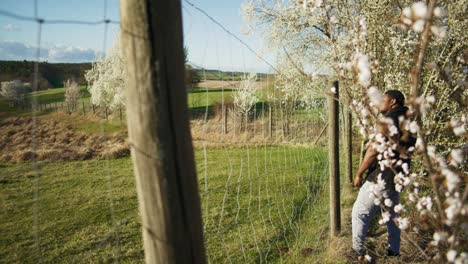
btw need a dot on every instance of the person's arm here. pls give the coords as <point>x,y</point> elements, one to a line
<point>369,159</point>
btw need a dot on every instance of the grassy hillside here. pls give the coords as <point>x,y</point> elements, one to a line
<point>55,95</point>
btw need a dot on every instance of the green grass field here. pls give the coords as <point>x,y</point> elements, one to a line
<point>200,97</point>
<point>259,204</point>
<point>55,95</point>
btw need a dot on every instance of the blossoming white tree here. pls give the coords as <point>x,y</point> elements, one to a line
<point>106,79</point>
<point>72,93</point>
<point>245,96</point>
<point>12,91</point>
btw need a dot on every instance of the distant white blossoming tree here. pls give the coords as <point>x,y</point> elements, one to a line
<point>106,79</point>
<point>72,94</point>
<point>13,91</point>
<point>246,97</point>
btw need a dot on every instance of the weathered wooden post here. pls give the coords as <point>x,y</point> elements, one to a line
<point>159,132</point>
<point>348,133</point>
<point>224,109</point>
<point>334,161</point>
<point>270,121</point>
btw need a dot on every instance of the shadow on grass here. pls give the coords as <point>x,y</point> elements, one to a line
<point>199,112</point>
<point>209,90</point>
<point>282,237</point>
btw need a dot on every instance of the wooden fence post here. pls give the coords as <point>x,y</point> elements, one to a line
<point>159,131</point>
<point>348,146</point>
<point>224,119</point>
<point>270,121</point>
<point>334,161</point>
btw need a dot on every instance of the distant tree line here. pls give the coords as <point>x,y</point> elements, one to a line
<point>51,75</point>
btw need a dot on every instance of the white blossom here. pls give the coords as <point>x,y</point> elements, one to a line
<point>418,26</point>
<point>413,127</point>
<point>388,202</point>
<point>393,130</point>
<point>368,258</point>
<point>456,157</point>
<point>460,130</point>
<point>419,144</point>
<point>452,179</point>
<point>407,12</point>
<point>385,218</point>
<point>405,168</point>
<point>399,208</point>
<point>439,236</point>
<point>419,9</point>
<point>403,223</point>
<point>375,95</point>
<point>451,255</point>
<point>361,63</point>
<point>452,210</point>
<point>424,203</point>
<point>439,12</point>
<point>431,151</point>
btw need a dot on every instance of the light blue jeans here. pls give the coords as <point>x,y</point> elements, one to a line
<point>364,210</point>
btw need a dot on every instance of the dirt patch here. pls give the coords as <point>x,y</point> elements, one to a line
<point>49,140</point>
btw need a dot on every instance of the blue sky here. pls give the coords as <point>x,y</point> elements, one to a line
<point>208,45</point>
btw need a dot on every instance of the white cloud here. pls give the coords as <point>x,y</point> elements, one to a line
<point>11,27</point>
<point>12,50</point>
<point>61,53</point>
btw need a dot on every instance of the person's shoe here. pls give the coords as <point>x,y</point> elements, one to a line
<point>357,258</point>
<point>392,254</point>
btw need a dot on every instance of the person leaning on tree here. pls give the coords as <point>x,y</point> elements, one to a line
<point>364,209</point>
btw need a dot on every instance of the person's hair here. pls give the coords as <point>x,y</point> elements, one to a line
<point>397,95</point>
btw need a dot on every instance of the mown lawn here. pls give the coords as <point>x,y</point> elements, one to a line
<point>259,204</point>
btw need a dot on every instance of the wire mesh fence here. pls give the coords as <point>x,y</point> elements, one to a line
<point>68,190</point>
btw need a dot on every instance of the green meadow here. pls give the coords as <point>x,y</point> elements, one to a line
<point>259,204</point>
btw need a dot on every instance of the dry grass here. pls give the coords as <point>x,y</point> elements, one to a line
<point>210,132</point>
<point>376,241</point>
<point>53,140</point>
